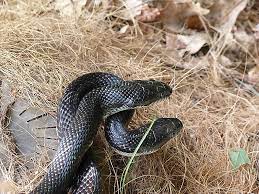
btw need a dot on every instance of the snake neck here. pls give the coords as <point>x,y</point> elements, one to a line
<point>74,93</point>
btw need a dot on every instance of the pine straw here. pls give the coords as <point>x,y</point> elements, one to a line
<point>40,55</point>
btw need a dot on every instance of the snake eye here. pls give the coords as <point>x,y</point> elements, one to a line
<point>164,90</point>
<point>160,89</point>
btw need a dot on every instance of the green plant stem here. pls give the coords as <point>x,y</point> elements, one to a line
<point>126,169</point>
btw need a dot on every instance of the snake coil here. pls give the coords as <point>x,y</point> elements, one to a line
<point>87,101</point>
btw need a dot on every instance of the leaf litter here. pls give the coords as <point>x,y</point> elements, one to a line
<point>32,136</point>
<point>207,49</point>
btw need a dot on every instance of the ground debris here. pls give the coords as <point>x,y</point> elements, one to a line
<point>207,51</point>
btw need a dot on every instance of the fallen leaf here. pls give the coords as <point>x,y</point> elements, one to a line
<point>176,13</point>
<point>6,146</point>
<point>69,7</point>
<point>134,7</point>
<point>193,43</point>
<point>225,61</point>
<point>223,14</point>
<point>179,45</point>
<point>231,18</point>
<point>243,38</point>
<point>124,29</point>
<point>34,131</point>
<point>193,22</point>
<point>130,9</point>
<point>238,157</point>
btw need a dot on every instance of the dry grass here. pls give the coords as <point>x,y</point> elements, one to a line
<point>40,53</point>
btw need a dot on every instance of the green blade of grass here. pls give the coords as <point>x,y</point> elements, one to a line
<point>126,169</point>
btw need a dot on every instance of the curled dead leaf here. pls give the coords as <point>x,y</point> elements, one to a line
<point>178,45</point>
<point>193,42</point>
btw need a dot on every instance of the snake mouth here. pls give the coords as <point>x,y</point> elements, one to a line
<point>130,154</point>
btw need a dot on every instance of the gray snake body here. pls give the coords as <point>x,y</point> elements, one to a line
<point>86,102</point>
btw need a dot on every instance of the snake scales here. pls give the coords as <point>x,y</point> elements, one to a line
<point>86,102</point>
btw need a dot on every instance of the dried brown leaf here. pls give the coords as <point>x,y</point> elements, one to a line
<point>182,44</point>
<point>33,130</point>
<point>223,14</point>
<point>193,22</point>
<point>193,42</point>
<point>175,14</point>
<point>231,18</point>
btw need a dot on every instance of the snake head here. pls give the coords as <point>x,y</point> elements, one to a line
<point>163,130</point>
<point>131,94</point>
<point>151,91</point>
<point>166,128</point>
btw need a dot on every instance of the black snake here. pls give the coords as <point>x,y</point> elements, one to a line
<point>86,102</point>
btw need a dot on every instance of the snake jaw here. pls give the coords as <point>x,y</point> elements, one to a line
<point>130,154</point>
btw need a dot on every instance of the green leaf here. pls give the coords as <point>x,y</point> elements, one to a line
<point>238,157</point>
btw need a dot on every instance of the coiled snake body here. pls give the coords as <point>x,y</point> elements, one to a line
<point>86,102</point>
